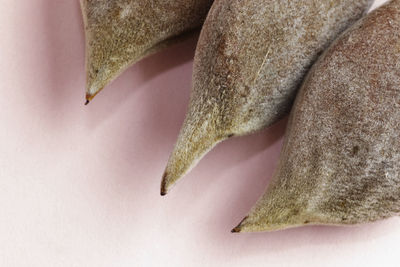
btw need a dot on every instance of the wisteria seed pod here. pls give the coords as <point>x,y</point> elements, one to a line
<point>340,163</point>
<point>121,32</point>
<point>251,57</point>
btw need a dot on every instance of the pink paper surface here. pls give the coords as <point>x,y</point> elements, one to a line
<point>79,185</point>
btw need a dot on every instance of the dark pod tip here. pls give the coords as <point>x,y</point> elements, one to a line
<point>164,185</point>
<point>238,228</point>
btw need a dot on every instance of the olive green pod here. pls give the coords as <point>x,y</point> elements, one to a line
<point>121,32</point>
<point>340,163</point>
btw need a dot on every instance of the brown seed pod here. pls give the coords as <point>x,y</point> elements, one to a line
<point>251,57</point>
<point>340,163</point>
<point>121,32</point>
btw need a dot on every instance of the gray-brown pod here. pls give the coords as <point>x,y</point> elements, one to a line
<point>121,32</point>
<point>250,59</point>
<point>340,163</point>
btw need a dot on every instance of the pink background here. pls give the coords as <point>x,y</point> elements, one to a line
<point>79,186</point>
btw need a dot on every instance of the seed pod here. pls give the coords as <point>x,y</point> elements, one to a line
<point>340,162</point>
<point>121,32</point>
<point>251,58</point>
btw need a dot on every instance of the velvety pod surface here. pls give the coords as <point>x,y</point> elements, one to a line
<point>121,32</point>
<point>251,57</point>
<point>340,162</point>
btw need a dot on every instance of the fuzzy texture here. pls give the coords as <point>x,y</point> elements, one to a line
<point>340,162</point>
<point>121,32</point>
<point>251,57</point>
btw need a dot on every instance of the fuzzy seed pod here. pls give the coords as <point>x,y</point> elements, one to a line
<point>121,32</point>
<point>251,57</point>
<point>340,163</point>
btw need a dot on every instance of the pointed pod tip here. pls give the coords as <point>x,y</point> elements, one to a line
<point>238,228</point>
<point>89,97</point>
<point>164,185</point>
